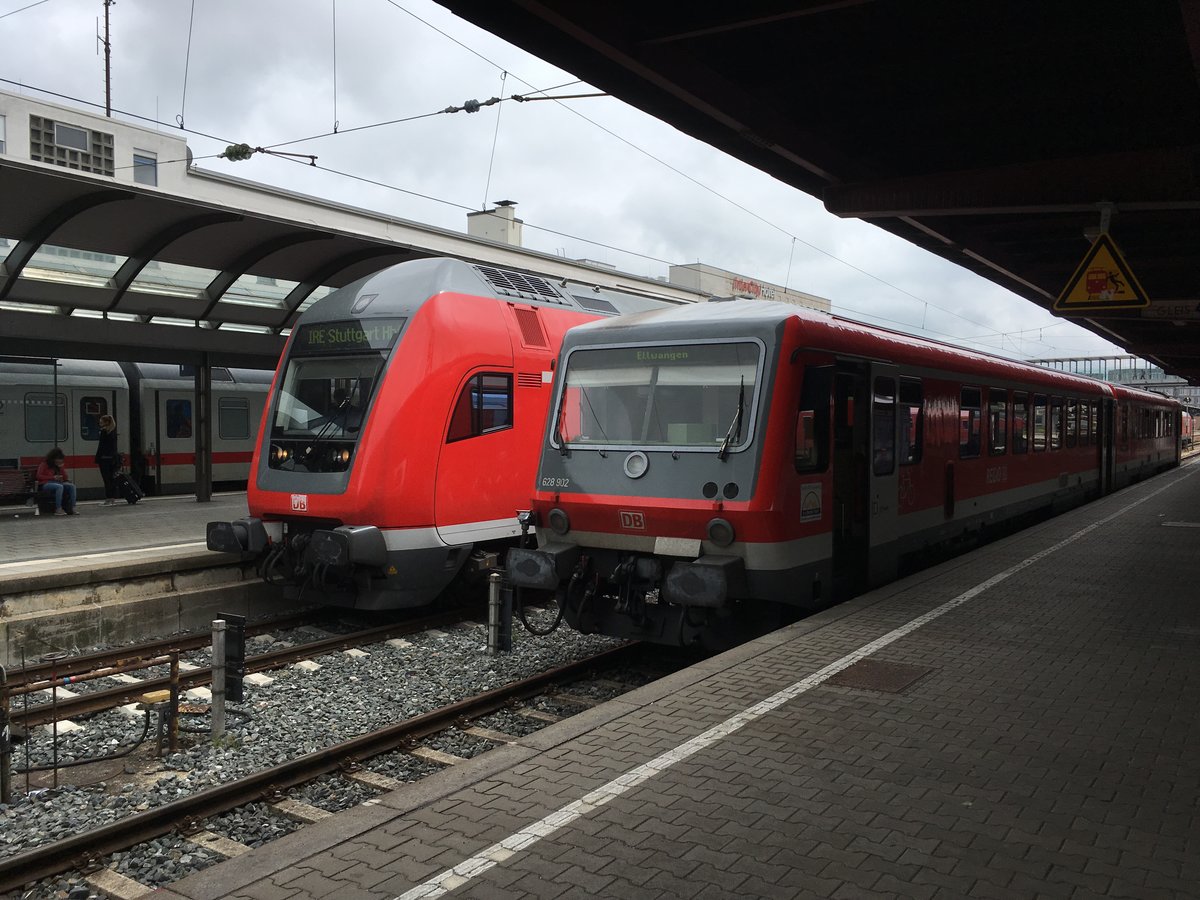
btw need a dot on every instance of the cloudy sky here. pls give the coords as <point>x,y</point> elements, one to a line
<point>593,177</point>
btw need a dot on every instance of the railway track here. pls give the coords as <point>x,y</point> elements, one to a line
<point>87,850</point>
<point>45,675</point>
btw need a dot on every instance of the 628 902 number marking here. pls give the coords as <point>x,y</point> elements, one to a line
<point>549,482</point>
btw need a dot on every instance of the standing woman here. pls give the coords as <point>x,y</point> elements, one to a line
<point>107,458</point>
<point>52,476</point>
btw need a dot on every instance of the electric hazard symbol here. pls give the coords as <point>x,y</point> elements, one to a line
<point>1102,282</point>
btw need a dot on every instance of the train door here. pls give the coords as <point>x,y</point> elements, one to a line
<point>849,483</point>
<point>884,475</point>
<point>171,436</point>
<point>865,477</point>
<point>86,406</point>
<point>1107,434</point>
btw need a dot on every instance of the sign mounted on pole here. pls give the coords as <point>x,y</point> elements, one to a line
<point>1102,283</point>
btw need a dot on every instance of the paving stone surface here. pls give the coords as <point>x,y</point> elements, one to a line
<point>1050,752</point>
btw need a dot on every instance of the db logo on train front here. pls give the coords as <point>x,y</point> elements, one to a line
<point>634,520</point>
<point>299,502</point>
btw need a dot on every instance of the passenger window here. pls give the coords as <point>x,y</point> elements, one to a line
<point>969,410</point>
<point>1095,422</point>
<point>997,422</point>
<point>46,418</point>
<point>912,421</point>
<point>483,406</point>
<point>883,419</point>
<point>1056,423</point>
<point>1039,421</point>
<point>90,411</point>
<point>233,418</point>
<point>1072,422</point>
<point>1020,423</point>
<point>812,421</point>
<point>179,418</point>
<point>1085,423</point>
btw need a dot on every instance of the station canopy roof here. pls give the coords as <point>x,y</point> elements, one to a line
<point>95,269</point>
<point>1002,136</point>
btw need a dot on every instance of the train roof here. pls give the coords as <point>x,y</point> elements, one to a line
<point>766,319</point>
<point>400,290</point>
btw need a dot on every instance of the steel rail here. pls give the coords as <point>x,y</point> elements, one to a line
<point>88,662</point>
<point>98,701</point>
<point>85,850</point>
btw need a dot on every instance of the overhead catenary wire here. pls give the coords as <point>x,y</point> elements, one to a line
<point>187,61</point>
<point>23,8</point>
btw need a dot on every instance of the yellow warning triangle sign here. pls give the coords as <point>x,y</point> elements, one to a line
<point>1102,282</point>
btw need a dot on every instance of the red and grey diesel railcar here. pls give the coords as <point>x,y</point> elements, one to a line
<point>713,471</point>
<point>402,430</point>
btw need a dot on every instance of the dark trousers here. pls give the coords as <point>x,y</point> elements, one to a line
<point>108,471</point>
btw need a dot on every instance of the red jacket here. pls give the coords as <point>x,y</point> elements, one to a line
<point>46,474</point>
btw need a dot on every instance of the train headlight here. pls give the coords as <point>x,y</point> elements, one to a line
<point>636,464</point>
<point>720,532</point>
<point>559,522</point>
<point>344,457</point>
<point>279,454</point>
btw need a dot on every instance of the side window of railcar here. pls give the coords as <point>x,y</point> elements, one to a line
<point>179,418</point>
<point>997,422</point>
<point>90,411</point>
<point>1056,423</point>
<point>45,418</point>
<point>883,418</point>
<point>812,421</point>
<point>233,418</point>
<point>484,405</point>
<point>1085,423</point>
<point>912,421</point>
<point>1095,410</point>
<point>1072,421</point>
<point>1020,423</point>
<point>969,413</point>
<point>1039,421</point>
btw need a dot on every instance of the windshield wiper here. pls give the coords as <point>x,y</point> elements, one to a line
<point>735,427</point>
<point>560,434</point>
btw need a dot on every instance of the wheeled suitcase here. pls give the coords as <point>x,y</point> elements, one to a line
<point>128,488</point>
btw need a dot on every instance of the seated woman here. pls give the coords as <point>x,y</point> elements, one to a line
<point>53,477</point>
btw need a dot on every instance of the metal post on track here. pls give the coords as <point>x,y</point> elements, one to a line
<point>218,678</point>
<point>5,742</point>
<point>173,709</point>
<point>499,615</point>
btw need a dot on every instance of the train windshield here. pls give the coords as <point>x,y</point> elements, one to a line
<point>673,395</point>
<point>331,373</point>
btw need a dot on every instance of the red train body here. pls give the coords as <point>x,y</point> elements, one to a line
<point>710,472</point>
<point>401,431</point>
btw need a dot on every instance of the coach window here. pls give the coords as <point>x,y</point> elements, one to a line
<point>1072,422</point>
<point>41,423</point>
<point>1085,423</point>
<point>484,406</point>
<point>1020,422</point>
<point>969,411</point>
<point>179,418</point>
<point>1056,423</point>
<point>1039,421</point>
<point>233,418</point>
<point>883,418</point>
<point>912,421</point>
<point>997,422</point>
<point>90,411</point>
<point>812,422</point>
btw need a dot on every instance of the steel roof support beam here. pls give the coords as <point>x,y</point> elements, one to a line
<point>20,255</point>
<point>1139,180</point>
<point>137,262</point>
<point>318,277</point>
<point>224,281</point>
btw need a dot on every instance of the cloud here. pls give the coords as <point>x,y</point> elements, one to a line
<point>594,178</point>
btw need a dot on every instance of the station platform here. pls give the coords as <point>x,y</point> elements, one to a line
<point>116,573</point>
<point>1017,722</point>
<point>154,523</point>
